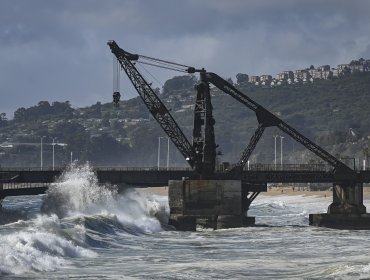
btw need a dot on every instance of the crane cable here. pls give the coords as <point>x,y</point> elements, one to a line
<point>164,67</point>
<point>159,82</point>
<point>163,61</point>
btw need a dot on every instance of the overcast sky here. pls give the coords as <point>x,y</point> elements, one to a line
<point>56,50</point>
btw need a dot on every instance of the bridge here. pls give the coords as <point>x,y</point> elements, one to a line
<point>33,181</point>
<point>203,192</point>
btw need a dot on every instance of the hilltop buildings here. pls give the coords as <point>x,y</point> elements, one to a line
<point>310,74</point>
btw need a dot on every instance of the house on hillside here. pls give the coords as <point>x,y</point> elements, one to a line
<point>254,79</point>
<point>285,75</point>
<point>303,75</point>
<point>265,78</point>
<point>357,68</point>
<point>324,68</point>
<point>336,72</point>
<point>343,67</point>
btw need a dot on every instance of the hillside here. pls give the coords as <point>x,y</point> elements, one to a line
<point>333,113</point>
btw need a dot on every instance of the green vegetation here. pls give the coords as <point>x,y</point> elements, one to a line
<point>333,113</point>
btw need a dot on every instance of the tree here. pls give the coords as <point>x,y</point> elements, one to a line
<point>20,114</point>
<point>241,78</point>
<point>179,83</point>
<point>106,150</point>
<point>3,119</point>
<point>43,108</point>
<point>75,136</point>
<point>62,109</point>
<point>96,110</point>
<point>105,121</point>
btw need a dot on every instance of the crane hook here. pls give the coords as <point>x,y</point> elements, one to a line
<point>116,99</point>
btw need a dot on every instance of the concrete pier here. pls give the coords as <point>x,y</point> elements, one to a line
<point>347,210</point>
<point>213,204</point>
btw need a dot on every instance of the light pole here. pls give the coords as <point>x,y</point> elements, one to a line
<point>281,151</point>
<point>159,151</point>
<point>42,137</point>
<point>275,136</point>
<point>168,152</point>
<point>57,144</point>
<point>53,153</point>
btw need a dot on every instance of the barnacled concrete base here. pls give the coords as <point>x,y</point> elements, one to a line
<point>189,223</point>
<point>234,221</point>
<point>216,204</point>
<point>341,221</point>
<point>183,223</point>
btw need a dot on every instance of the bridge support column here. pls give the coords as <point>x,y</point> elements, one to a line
<point>347,199</point>
<point>213,204</point>
<point>347,210</point>
<point>1,194</point>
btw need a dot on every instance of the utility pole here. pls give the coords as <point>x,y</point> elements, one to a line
<point>168,153</point>
<point>275,136</point>
<point>281,151</point>
<point>159,151</point>
<point>41,163</point>
<point>53,153</point>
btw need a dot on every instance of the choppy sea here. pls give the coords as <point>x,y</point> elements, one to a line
<point>80,230</point>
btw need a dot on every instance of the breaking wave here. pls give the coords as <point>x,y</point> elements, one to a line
<point>78,216</point>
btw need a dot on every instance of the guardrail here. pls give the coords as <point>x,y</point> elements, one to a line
<point>251,167</point>
<point>289,167</point>
<point>17,186</point>
<point>96,168</point>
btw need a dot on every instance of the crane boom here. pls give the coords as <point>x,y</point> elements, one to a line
<point>267,119</point>
<point>153,103</point>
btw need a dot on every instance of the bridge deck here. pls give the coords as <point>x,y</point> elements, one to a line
<point>25,181</point>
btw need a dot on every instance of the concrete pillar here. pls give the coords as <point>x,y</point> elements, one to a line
<point>347,210</point>
<point>210,203</point>
<point>347,199</point>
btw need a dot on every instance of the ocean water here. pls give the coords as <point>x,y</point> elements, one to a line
<point>80,230</point>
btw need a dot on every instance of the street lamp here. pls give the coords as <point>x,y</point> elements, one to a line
<point>275,136</point>
<point>58,144</point>
<point>159,151</point>
<point>281,151</point>
<point>53,153</point>
<point>168,152</point>
<point>41,163</point>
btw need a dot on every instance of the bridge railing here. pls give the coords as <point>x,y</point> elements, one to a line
<point>16,186</point>
<point>97,168</point>
<point>11,169</point>
<point>119,168</point>
<point>289,167</point>
<point>251,167</point>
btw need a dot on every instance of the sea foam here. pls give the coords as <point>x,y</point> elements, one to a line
<point>77,193</point>
<point>31,250</point>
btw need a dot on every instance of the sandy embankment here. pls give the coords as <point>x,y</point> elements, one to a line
<point>270,192</point>
<point>155,190</point>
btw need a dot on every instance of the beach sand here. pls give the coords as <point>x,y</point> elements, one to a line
<point>273,191</point>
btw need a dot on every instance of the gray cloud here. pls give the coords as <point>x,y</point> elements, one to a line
<point>55,50</point>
